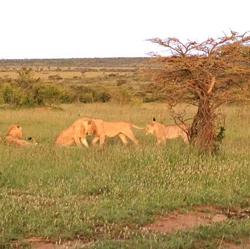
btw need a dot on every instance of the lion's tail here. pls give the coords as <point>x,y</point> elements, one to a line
<point>137,127</point>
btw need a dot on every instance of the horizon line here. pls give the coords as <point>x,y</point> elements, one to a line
<point>77,58</point>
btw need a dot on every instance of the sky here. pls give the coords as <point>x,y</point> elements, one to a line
<point>111,28</point>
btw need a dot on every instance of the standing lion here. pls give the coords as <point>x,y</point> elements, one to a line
<point>102,129</point>
<point>164,132</point>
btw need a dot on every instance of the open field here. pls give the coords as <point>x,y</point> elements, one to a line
<point>77,71</point>
<point>119,80</point>
<point>106,197</point>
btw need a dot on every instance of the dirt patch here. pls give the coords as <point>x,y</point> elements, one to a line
<point>40,243</point>
<point>230,245</point>
<point>184,221</point>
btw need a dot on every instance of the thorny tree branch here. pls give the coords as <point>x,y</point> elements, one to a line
<point>205,74</point>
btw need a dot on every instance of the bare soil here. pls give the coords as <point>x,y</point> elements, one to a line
<point>230,245</point>
<point>40,243</point>
<point>176,221</point>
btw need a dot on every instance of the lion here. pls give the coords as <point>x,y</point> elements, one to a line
<point>165,132</point>
<point>102,129</point>
<point>15,137</point>
<point>75,134</point>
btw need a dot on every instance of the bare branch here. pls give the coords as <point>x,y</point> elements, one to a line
<point>211,85</point>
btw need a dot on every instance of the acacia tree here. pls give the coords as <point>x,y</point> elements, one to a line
<point>205,74</point>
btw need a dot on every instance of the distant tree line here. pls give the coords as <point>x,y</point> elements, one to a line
<point>76,62</point>
<point>29,91</point>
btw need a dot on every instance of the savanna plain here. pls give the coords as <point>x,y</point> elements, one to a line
<point>107,198</point>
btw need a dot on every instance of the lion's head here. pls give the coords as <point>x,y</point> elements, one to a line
<point>150,128</point>
<point>15,131</point>
<point>91,127</point>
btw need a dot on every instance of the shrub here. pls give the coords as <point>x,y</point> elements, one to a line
<point>121,96</point>
<point>121,82</point>
<point>86,97</point>
<point>101,96</point>
<point>55,77</point>
<point>11,95</point>
<point>47,94</point>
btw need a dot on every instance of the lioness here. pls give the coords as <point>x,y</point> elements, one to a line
<point>163,132</point>
<point>75,134</point>
<point>102,129</point>
<point>15,137</point>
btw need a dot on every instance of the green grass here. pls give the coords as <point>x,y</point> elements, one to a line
<point>107,195</point>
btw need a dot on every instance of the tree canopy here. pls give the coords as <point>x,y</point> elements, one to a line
<point>205,74</point>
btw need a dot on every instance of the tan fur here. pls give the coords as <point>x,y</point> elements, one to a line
<point>75,134</point>
<point>163,132</point>
<point>15,137</point>
<point>102,129</point>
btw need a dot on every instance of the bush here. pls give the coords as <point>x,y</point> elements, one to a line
<point>41,94</point>
<point>121,96</point>
<point>55,77</point>
<point>67,96</point>
<point>101,96</point>
<point>86,97</point>
<point>89,95</point>
<point>11,95</point>
<point>121,82</point>
<point>47,94</point>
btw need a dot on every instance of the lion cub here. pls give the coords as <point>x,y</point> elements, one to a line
<point>165,132</point>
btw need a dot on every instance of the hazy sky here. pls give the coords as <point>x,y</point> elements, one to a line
<point>110,28</point>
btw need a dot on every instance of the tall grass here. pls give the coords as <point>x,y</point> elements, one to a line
<point>92,193</point>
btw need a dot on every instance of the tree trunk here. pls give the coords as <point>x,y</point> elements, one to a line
<point>202,132</point>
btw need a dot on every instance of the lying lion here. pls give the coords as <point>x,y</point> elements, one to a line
<point>102,129</point>
<point>163,132</point>
<point>75,134</point>
<point>15,137</point>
